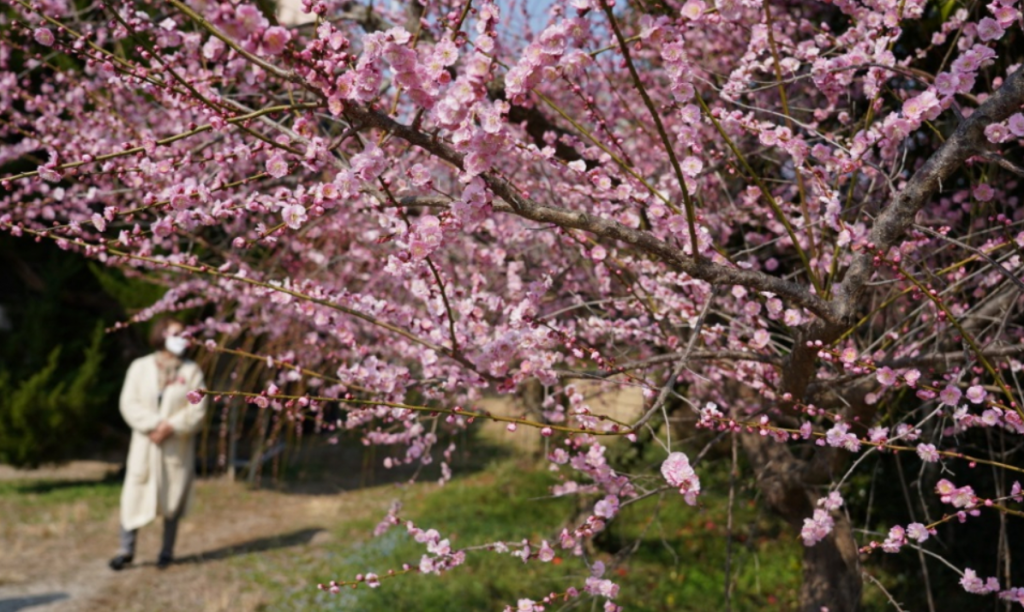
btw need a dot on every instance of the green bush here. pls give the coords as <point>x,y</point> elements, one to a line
<point>42,415</point>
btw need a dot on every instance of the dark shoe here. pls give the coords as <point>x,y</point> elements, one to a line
<point>163,562</point>
<point>117,563</point>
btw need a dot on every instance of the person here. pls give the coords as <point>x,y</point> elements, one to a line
<point>160,467</point>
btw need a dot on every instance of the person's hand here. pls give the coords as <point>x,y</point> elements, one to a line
<point>161,433</point>
<point>166,431</point>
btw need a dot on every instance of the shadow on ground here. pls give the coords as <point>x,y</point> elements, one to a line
<point>319,468</point>
<point>15,604</point>
<point>274,542</point>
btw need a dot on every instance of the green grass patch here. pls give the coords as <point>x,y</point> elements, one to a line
<point>677,563</point>
<point>35,501</point>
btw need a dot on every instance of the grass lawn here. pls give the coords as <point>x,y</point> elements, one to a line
<point>678,561</point>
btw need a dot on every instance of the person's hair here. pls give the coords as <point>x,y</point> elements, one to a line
<point>159,327</point>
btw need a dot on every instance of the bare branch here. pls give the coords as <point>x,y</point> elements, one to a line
<point>890,226</point>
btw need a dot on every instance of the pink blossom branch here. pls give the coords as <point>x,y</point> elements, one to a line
<point>716,274</point>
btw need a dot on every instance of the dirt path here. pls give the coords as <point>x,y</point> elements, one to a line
<point>53,558</point>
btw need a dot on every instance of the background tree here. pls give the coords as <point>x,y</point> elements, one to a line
<point>798,220</point>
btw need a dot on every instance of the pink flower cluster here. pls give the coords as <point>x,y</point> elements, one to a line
<point>898,537</point>
<point>817,527</point>
<point>959,497</point>
<point>678,473</point>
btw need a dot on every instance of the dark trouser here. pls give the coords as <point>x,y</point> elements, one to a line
<point>166,551</point>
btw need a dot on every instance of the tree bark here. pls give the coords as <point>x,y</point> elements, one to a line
<point>832,576</point>
<point>831,568</point>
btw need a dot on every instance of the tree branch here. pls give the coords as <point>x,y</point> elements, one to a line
<point>890,226</point>
<point>716,274</point>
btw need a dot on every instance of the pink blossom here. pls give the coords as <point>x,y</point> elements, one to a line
<point>294,215</point>
<point>559,456</point>
<point>989,29</point>
<point>927,453</point>
<point>250,17</point>
<point>833,501</point>
<point>963,497</point>
<point>545,553</point>
<point>602,587</point>
<point>1016,124</point>
<point>792,317</point>
<point>760,339</point>
<point>1013,594</point>
<point>911,377</point>
<point>806,429</point>
<point>213,48</point>
<point>693,9</point>
<point>709,415</point>
<point>275,38</point>
<point>678,473</point>
<point>991,417</point>
<point>920,105</point>
<point>895,540</point>
<point>163,227</point>
<point>692,166</point>
<point>818,527</point>
<point>1005,14</point>
<point>906,431</point>
<point>43,36</point>
<point>607,507</point>
<point>277,166</point>
<point>976,394</point>
<point>886,377</point>
<point>950,396</point>
<point>946,84</point>
<point>840,436</point>
<point>917,532</point>
<point>945,487</point>
<point>49,174</point>
<point>195,396</point>
<point>446,52</point>
<point>997,133</point>
<point>972,583</point>
<point>441,246</point>
<point>983,192</point>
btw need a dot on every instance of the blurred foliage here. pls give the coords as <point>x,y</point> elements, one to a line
<point>59,373</point>
<point>42,418</point>
<point>132,294</point>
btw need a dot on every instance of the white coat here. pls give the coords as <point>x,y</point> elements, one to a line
<point>158,479</point>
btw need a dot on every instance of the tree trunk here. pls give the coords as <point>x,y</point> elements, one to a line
<point>831,576</point>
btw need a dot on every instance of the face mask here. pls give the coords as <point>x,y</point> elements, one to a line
<point>176,344</point>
